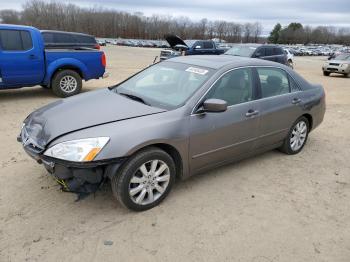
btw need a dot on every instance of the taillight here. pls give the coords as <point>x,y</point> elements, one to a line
<point>97,46</point>
<point>103,60</point>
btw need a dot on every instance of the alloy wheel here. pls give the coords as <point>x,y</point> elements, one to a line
<point>149,182</point>
<point>68,84</point>
<point>298,136</point>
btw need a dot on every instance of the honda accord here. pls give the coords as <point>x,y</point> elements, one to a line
<point>170,121</point>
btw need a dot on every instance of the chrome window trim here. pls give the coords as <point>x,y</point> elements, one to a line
<point>243,67</point>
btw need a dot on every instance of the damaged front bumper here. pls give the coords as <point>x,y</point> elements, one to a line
<point>78,177</point>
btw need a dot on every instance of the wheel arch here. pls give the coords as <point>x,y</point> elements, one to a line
<point>310,119</point>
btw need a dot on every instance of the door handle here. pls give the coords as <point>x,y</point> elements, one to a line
<point>251,113</point>
<point>296,101</point>
<point>32,57</point>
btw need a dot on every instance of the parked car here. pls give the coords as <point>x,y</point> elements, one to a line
<point>340,65</point>
<point>290,57</point>
<point>188,47</point>
<point>101,42</point>
<point>172,120</point>
<point>24,61</point>
<point>60,39</point>
<point>267,52</point>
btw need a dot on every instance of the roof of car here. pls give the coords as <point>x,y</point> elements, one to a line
<point>64,32</point>
<point>219,61</point>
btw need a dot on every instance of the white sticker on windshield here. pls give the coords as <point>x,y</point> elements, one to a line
<point>253,48</point>
<point>196,70</point>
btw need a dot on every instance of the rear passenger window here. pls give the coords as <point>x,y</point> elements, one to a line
<point>273,82</point>
<point>208,45</point>
<point>268,51</point>
<point>234,87</point>
<point>278,51</point>
<point>293,85</point>
<point>15,40</point>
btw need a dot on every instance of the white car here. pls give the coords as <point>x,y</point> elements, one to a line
<point>290,58</point>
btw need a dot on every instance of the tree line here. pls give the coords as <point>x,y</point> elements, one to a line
<point>103,22</point>
<point>296,33</point>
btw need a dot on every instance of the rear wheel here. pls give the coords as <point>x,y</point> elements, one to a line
<point>325,73</point>
<point>297,137</point>
<point>66,83</point>
<point>145,180</point>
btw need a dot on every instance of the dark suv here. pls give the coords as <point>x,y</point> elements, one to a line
<point>267,52</point>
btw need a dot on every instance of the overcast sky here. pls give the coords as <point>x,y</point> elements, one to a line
<point>268,12</point>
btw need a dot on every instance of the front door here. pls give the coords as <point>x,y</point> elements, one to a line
<point>20,62</point>
<point>219,137</point>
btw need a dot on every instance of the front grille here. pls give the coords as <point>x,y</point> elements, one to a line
<point>29,142</point>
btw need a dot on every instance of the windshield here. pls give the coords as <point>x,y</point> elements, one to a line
<point>343,57</point>
<point>241,50</point>
<point>165,85</point>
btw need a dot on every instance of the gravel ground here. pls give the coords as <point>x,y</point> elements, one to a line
<point>269,208</point>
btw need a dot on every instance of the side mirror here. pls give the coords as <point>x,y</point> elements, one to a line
<point>214,105</point>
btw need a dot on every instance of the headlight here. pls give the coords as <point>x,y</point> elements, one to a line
<point>78,150</point>
<point>344,65</point>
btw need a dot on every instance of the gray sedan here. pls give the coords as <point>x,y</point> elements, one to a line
<point>172,120</point>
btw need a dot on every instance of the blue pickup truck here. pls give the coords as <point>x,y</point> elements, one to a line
<point>24,61</point>
<point>180,47</point>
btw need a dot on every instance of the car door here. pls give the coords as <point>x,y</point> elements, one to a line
<point>209,48</point>
<point>198,48</point>
<point>280,105</point>
<point>219,137</point>
<point>21,63</point>
<point>269,55</point>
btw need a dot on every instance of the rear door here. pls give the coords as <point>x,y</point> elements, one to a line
<point>280,105</point>
<point>219,137</point>
<point>280,56</point>
<point>269,55</point>
<point>21,59</point>
<point>209,48</point>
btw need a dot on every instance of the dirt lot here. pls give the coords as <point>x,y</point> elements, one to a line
<point>265,209</point>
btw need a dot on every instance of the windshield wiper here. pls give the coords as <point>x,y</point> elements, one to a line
<point>134,97</point>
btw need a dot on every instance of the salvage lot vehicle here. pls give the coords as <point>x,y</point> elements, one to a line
<point>189,47</point>
<point>24,61</point>
<point>196,113</point>
<point>60,39</point>
<point>339,65</point>
<point>267,52</point>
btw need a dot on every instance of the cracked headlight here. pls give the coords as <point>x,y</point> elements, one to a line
<point>81,150</point>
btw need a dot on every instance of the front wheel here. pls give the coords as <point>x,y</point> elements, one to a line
<point>145,180</point>
<point>297,137</point>
<point>66,83</point>
<point>325,73</point>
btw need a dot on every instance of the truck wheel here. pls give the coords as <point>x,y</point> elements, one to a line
<point>66,83</point>
<point>325,73</point>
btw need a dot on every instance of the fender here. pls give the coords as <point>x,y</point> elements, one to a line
<point>65,63</point>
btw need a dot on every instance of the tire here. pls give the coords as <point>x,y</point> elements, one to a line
<point>140,199</point>
<point>325,73</point>
<point>290,64</point>
<point>287,147</point>
<point>66,83</point>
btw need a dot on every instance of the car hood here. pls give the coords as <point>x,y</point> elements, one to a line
<point>174,41</point>
<point>339,61</point>
<point>80,112</point>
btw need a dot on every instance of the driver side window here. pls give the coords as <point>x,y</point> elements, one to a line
<point>234,87</point>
